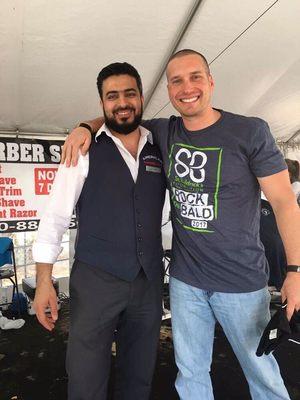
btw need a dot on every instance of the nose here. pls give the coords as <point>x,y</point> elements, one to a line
<point>187,86</point>
<point>122,101</point>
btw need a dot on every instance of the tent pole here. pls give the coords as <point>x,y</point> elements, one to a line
<point>297,133</point>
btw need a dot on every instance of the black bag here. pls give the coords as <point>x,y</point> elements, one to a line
<point>279,330</point>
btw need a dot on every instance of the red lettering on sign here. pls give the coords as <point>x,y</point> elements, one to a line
<point>43,179</point>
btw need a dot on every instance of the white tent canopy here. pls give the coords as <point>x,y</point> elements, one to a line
<point>52,51</point>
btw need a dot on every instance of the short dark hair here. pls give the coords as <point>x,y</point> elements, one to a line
<point>118,68</point>
<point>187,52</point>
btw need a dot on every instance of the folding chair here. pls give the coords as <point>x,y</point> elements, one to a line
<point>8,268</point>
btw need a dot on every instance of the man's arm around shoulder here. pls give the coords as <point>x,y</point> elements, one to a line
<point>79,140</point>
<point>80,137</point>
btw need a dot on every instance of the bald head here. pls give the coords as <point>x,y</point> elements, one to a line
<point>188,52</point>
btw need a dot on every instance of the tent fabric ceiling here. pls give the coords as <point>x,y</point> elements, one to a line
<point>51,53</point>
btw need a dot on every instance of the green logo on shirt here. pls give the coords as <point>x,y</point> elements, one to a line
<point>194,175</point>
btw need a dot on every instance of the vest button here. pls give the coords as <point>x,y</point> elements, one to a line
<point>139,225</point>
<point>140,253</point>
<point>139,239</point>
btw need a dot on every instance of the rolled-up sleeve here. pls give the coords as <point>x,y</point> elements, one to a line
<point>56,219</point>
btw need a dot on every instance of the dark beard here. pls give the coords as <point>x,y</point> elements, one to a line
<point>124,128</point>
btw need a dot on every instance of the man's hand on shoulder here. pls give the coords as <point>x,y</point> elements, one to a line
<point>290,291</point>
<point>78,140</point>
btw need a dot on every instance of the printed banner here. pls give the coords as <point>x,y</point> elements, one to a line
<point>27,171</point>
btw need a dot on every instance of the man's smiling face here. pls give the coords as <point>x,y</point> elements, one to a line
<point>122,103</point>
<point>190,85</point>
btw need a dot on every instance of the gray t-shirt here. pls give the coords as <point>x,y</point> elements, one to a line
<point>215,199</point>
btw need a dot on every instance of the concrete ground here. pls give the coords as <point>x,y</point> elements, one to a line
<point>32,365</point>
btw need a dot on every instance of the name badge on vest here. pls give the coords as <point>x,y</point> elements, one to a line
<point>150,168</point>
<point>153,164</point>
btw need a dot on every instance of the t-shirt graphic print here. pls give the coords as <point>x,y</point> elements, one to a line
<point>194,177</point>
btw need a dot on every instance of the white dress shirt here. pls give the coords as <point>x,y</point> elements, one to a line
<point>65,193</point>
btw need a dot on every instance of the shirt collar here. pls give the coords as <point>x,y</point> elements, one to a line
<point>144,133</point>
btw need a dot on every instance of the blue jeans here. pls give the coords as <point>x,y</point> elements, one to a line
<point>243,317</point>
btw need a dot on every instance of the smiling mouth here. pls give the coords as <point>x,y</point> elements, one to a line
<point>123,113</point>
<point>190,99</point>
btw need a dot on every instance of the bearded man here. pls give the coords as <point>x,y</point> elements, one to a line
<point>116,280</point>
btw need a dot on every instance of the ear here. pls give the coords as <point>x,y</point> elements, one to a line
<point>167,76</point>
<point>211,81</point>
<point>169,88</point>
<point>142,100</point>
<point>101,103</point>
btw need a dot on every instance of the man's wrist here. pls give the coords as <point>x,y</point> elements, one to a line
<point>293,268</point>
<point>86,126</point>
<point>43,273</point>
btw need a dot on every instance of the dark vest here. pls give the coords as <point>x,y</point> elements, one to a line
<point>119,221</point>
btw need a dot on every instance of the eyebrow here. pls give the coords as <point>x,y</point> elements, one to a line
<point>120,91</point>
<point>191,73</point>
<point>196,72</point>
